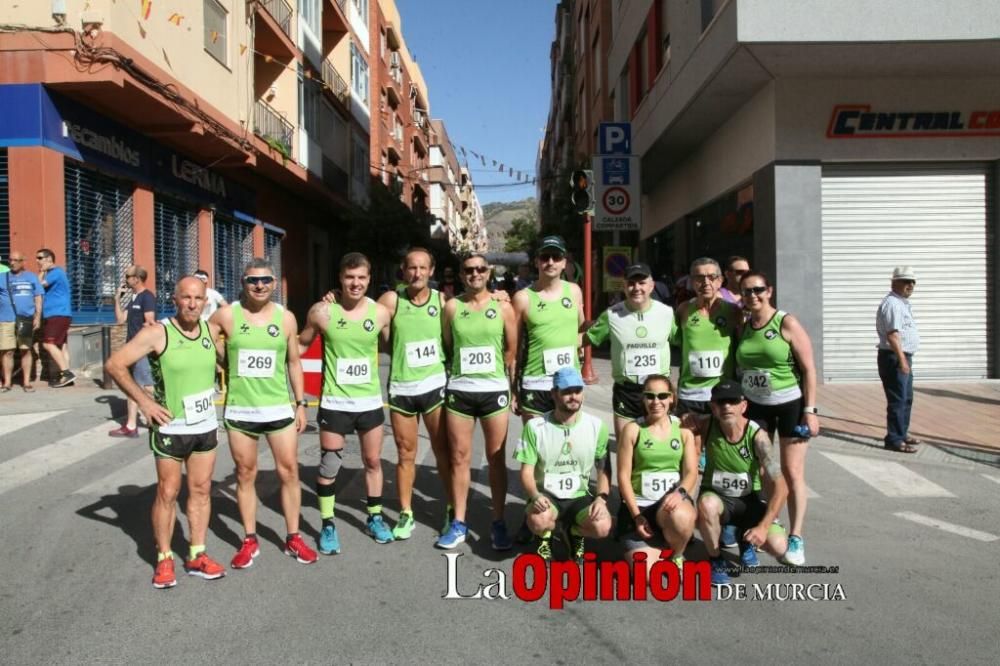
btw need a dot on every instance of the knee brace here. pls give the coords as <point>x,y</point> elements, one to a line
<point>330,463</point>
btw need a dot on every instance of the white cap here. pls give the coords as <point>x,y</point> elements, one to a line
<point>904,273</point>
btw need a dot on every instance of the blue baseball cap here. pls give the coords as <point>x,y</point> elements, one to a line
<point>566,378</point>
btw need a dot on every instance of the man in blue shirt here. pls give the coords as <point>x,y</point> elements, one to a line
<point>7,341</point>
<point>898,341</point>
<point>139,313</point>
<point>26,295</point>
<point>55,316</point>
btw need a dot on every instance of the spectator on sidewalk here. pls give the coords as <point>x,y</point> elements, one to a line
<point>139,313</point>
<point>898,341</point>
<point>7,341</point>
<point>56,315</point>
<point>736,268</point>
<point>213,299</point>
<point>26,296</point>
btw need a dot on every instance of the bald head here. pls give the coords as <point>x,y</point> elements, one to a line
<point>188,282</point>
<point>189,298</point>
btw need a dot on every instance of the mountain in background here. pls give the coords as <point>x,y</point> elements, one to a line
<point>500,214</point>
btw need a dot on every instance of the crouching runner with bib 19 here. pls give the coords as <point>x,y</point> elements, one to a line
<point>557,452</point>
<point>657,474</point>
<point>352,396</point>
<point>262,356</point>
<point>182,422</point>
<point>739,458</point>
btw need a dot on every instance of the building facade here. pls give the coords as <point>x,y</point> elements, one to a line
<point>827,142</point>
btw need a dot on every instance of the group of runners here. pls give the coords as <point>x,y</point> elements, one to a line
<point>477,357</point>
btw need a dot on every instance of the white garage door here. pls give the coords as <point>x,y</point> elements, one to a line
<point>930,217</point>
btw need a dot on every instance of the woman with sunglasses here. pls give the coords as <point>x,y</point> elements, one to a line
<point>480,335</point>
<point>775,361</point>
<point>657,472</point>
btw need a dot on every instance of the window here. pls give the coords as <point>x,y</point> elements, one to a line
<point>359,170</point>
<point>175,230</point>
<point>272,251</point>
<point>362,7</point>
<point>312,16</point>
<point>359,75</point>
<point>664,33</point>
<point>309,100</point>
<point>216,31</point>
<point>624,95</point>
<point>382,44</point>
<point>596,55</point>
<point>233,241</point>
<point>643,75</point>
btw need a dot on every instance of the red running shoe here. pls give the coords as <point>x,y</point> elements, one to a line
<point>163,575</point>
<point>243,558</point>
<point>205,567</point>
<point>124,431</point>
<point>298,549</point>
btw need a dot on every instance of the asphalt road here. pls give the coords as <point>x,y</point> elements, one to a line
<point>76,560</point>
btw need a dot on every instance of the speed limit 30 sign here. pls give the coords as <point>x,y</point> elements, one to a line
<point>616,178</point>
<point>615,200</point>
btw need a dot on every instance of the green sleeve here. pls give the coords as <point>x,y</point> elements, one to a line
<point>602,442</point>
<point>675,332</point>
<point>527,448</point>
<point>601,329</point>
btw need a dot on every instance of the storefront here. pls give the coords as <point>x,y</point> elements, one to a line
<point>127,198</point>
<point>827,185</point>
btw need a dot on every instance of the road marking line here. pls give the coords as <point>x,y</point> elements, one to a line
<point>889,478</point>
<point>13,422</point>
<point>141,473</point>
<point>50,459</point>
<point>811,494</point>
<point>994,479</point>
<point>947,527</point>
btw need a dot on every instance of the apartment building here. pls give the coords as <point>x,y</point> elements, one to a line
<point>443,179</point>
<point>197,134</point>
<point>400,131</point>
<point>828,142</point>
<point>473,221</point>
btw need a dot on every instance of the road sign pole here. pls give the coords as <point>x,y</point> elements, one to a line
<point>589,376</point>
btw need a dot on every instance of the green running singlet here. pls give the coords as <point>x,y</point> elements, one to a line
<point>553,341</point>
<point>257,372</point>
<point>639,346</point>
<point>563,455</point>
<point>731,468</point>
<point>706,348</point>
<point>766,364</point>
<point>477,338</point>
<point>417,360</point>
<point>184,380</point>
<point>656,463</point>
<point>350,362</point>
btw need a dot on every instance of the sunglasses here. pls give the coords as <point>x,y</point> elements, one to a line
<point>257,280</point>
<point>472,270</point>
<point>753,291</point>
<point>649,395</point>
<point>551,256</point>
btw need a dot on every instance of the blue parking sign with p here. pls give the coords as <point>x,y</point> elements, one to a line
<point>615,139</point>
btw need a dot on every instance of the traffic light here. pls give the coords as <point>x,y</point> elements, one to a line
<point>582,195</point>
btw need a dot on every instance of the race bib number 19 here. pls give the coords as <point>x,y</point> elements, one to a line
<point>563,486</point>
<point>256,362</point>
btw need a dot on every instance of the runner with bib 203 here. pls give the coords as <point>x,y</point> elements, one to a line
<point>639,328</point>
<point>775,361</point>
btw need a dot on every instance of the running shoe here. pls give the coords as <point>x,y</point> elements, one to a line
<point>163,575</point>
<point>376,528</point>
<point>243,559</point>
<point>577,547</point>
<point>329,542</point>
<point>297,548</point>
<point>64,378</point>
<point>449,515</point>
<point>748,555</point>
<point>455,535</point>
<point>796,553</point>
<point>499,538</point>
<point>404,528</point>
<point>204,567</point>
<point>720,572</point>
<point>124,431</point>
<point>545,549</point>
<point>728,537</point>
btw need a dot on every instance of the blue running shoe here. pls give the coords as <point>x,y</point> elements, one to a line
<point>720,572</point>
<point>455,535</point>
<point>376,528</point>
<point>329,542</point>
<point>748,555</point>
<point>499,538</point>
<point>728,537</point>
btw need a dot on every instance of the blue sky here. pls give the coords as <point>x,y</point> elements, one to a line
<point>486,64</point>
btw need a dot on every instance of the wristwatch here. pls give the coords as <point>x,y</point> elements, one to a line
<point>302,403</point>
<point>810,410</point>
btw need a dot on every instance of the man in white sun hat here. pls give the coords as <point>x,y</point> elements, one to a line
<point>898,341</point>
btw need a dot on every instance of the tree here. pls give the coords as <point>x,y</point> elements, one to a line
<point>523,233</point>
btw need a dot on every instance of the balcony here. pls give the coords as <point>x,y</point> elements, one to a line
<point>273,128</point>
<point>336,83</point>
<point>275,30</point>
<point>335,16</point>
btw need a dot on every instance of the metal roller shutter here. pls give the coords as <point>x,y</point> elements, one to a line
<point>4,207</point>
<point>933,218</point>
<point>272,250</point>
<point>99,241</point>
<point>176,235</point>
<point>233,251</point>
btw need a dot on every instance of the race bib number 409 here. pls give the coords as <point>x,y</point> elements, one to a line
<point>353,371</point>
